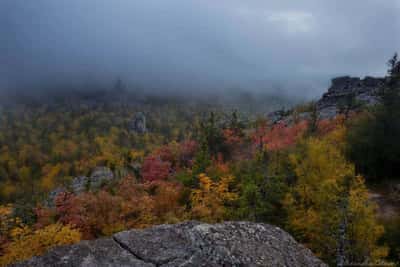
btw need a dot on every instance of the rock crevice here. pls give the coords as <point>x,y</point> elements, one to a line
<point>124,247</point>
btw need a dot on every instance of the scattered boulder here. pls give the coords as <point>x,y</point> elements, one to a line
<point>99,177</point>
<point>138,123</point>
<point>287,118</point>
<point>186,244</point>
<point>80,184</point>
<point>49,202</point>
<point>275,116</point>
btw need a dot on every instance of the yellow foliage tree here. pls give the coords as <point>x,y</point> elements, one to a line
<point>361,219</point>
<point>109,153</point>
<point>5,224</point>
<point>327,197</point>
<point>210,200</point>
<point>136,155</point>
<point>8,189</point>
<point>27,243</point>
<point>50,175</point>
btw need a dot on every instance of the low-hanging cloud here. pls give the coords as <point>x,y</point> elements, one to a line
<point>196,44</point>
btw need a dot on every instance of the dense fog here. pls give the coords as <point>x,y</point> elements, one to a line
<point>273,46</point>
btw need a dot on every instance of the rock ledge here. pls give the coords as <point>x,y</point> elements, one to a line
<point>186,244</point>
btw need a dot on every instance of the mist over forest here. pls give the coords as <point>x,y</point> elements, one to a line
<point>193,47</point>
<point>199,133</point>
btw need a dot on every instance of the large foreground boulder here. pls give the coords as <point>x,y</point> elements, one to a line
<point>186,244</point>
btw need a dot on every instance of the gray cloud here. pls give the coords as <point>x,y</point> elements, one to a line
<point>296,45</point>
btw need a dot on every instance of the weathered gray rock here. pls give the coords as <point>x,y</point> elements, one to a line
<point>186,244</point>
<point>138,123</point>
<point>100,176</point>
<point>365,91</point>
<point>100,252</point>
<point>49,202</point>
<point>80,184</point>
<point>275,116</point>
<point>285,118</point>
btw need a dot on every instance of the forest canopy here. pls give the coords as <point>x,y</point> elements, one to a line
<point>82,170</point>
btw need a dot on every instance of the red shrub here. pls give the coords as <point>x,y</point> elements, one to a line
<point>279,136</point>
<point>328,125</point>
<point>155,169</point>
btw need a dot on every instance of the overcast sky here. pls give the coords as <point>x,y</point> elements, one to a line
<point>298,45</point>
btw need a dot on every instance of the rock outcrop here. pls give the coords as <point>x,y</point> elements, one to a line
<point>276,116</point>
<point>80,184</point>
<point>99,177</point>
<point>365,91</point>
<point>344,93</point>
<point>138,123</point>
<point>186,244</point>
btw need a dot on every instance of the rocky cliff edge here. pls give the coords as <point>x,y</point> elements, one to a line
<point>186,244</point>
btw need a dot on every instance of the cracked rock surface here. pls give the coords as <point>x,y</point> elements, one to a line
<point>186,244</point>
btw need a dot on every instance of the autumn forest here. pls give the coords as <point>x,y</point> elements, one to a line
<point>171,161</point>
